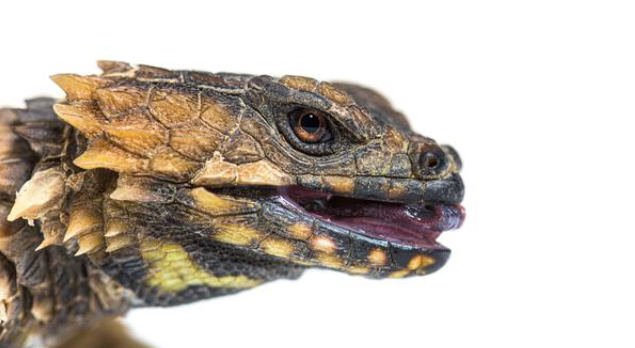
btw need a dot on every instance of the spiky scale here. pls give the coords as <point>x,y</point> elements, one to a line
<point>101,153</point>
<point>90,242</point>
<point>39,195</point>
<point>85,118</point>
<point>84,218</point>
<point>79,87</point>
<point>120,241</point>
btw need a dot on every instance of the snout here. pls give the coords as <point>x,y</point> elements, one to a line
<point>432,161</point>
<point>454,157</point>
<point>449,190</point>
<point>438,166</point>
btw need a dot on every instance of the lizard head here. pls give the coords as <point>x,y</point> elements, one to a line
<point>225,181</point>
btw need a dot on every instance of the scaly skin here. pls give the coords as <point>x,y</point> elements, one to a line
<point>151,187</point>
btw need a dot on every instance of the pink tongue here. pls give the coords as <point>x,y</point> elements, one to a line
<point>391,232</point>
<point>416,225</point>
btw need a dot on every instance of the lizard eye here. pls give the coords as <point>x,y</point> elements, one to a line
<point>310,131</point>
<point>308,125</point>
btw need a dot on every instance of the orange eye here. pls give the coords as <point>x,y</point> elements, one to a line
<point>309,125</point>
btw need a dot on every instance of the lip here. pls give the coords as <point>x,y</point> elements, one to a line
<point>449,190</point>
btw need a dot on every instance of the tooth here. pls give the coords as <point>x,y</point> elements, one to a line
<point>103,154</point>
<point>82,219</point>
<point>119,242</point>
<point>83,117</point>
<point>89,243</point>
<point>79,87</point>
<point>39,195</point>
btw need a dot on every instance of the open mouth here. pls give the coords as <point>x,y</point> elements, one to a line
<point>415,225</point>
<point>362,230</point>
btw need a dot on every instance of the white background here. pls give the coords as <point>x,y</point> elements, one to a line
<point>537,96</point>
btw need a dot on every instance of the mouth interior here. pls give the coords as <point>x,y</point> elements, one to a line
<point>414,224</point>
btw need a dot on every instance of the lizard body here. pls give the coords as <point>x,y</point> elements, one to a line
<point>152,187</point>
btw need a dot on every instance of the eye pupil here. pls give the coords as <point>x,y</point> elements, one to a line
<point>309,126</point>
<point>310,123</point>
<point>310,130</point>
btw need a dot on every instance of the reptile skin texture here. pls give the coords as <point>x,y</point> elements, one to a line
<point>152,187</point>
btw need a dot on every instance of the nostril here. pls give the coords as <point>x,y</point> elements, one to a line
<point>430,161</point>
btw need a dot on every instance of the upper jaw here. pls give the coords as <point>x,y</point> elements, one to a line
<point>443,185</point>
